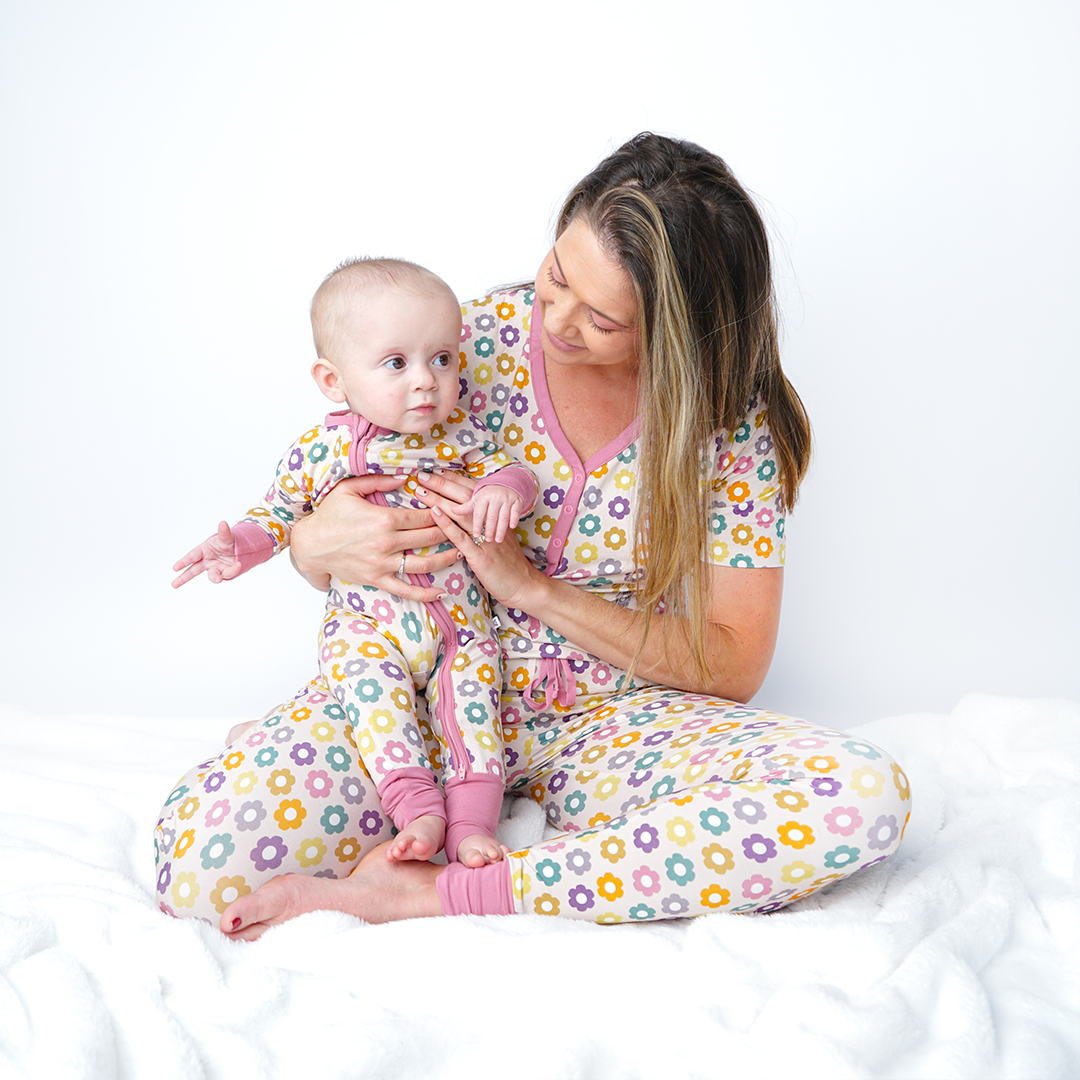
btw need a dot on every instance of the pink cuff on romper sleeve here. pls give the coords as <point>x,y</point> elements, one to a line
<point>485,890</point>
<point>518,480</point>
<point>253,545</point>
<point>472,806</point>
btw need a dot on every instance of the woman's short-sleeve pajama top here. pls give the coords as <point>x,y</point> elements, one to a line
<point>582,528</point>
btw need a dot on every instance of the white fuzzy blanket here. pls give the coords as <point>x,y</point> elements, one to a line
<point>957,959</point>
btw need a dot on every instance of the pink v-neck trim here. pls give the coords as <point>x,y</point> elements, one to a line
<point>580,470</point>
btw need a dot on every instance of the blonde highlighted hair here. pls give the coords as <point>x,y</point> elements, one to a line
<point>697,253</point>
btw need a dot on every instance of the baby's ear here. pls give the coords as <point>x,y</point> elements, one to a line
<point>326,377</point>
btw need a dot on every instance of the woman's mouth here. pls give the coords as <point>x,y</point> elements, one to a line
<point>563,346</point>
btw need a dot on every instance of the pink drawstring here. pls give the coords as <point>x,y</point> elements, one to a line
<point>556,680</point>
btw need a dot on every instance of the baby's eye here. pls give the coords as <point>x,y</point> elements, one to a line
<point>395,363</point>
<point>442,360</point>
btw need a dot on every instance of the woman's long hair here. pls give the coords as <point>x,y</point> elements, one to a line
<point>697,252</point>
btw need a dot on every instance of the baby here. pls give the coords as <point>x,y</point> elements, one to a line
<point>387,335</point>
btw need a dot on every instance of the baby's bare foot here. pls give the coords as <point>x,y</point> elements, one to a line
<point>420,839</point>
<point>479,849</point>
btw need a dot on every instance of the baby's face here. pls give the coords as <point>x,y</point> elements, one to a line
<point>399,366</point>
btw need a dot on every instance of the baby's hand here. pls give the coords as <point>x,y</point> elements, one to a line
<point>494,509</point>
<point>216,555</point>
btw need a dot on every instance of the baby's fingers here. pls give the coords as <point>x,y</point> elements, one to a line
<point>194,568</point>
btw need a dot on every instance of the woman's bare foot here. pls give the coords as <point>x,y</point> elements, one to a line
<point>377,891</point>
<point>479,849</point>
<point>420,839</point>
<point>237,730</point>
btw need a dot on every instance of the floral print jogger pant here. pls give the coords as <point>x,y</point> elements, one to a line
<point>667,804</point>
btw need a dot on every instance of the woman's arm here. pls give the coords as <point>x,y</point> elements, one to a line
<point>362,542</point>
<point>743,614</point>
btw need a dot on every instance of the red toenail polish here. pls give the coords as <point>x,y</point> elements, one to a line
<point>235,923</point>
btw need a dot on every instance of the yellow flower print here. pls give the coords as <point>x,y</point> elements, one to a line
<point>609,887</point>
<point>521,882</point>
<point>444,452</point>
<point>414,442</point>
<point>337,673</point>
<point>287,484</point>
<point>795,835</point>
<point>583,776</point>
<point>483,374</point>
<point>714,897</point>
<point>766,493</point>
<point>382,720</point>
<point>392,456</point>
<point>365,744</point>
<point>615,538</point>
<point>822,764</point>
<point>585,553</point>
<point>486,741</point>
<point>790,800</point>
<point>338,647</point>
<point>310,852</point>
<point>544,526</point>
<point>504,310</point>
<point>348,735</point>
<point>438,431</point>
<point>759,419</point>
<point>718,858</point>
<point>901,782</point>
<point>424,658</point>
<point>718,551</point>
<point>226,891</point>
<point>348,850</point>
<point>519,678</point>
<point>290,814</point>
<point>546,904</point>
<point>245,782</point>
<point>281,781</point>
<point>867,782</point>
<point>741,770</point>
<point>627,738</point>
<point>613,849</point>
<point>458,615</point>
<point>675,760</point>
<point>561,470</point>
<point>401,699</point>
<point>763,546</point>
<point>609,918</point>
<point>535,453</point>
<point>298,716</point>
<point>512,434</point>
<point>695,772</point>
<point>680,831</point>
<point>625,479</point>
<point>373,650</point>
<point>310,436</point>
<point>187,838</point>
<point>607,787</point>
<point>185,889</point>
<point>505,363</point>
<point>486,674</point>
<point>188,808</point>
<point>599,819</point>
<point>233,760</point>
<point>521,378</point>
<point>742,534</point>
<point>797,872</point>
<point>739,491</point>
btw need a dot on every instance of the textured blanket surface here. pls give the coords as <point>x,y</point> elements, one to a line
<point>957,959</point>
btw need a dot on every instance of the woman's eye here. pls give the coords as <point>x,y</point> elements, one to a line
<point>554,280</point>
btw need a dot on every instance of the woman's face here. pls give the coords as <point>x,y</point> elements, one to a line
<point>587,304</point>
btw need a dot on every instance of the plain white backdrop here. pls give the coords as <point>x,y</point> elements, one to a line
<point>176,180</point>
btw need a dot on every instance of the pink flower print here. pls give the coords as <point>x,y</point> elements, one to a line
<point>537,423</point>
<point>478,402</point>
<point>257,737</point>
<point>744,464</point>
<point>318,784</point>
<point>843,820</point>
<point>755,887</point>
<point>397,752</point>
<point>807,744</point>
<point>217,813</point>
<point>646,881</point>
<point>605,733</point>
<point>466,331</point>
<point>764,518</point>
<point>382,611</point>
<point>454,584</point>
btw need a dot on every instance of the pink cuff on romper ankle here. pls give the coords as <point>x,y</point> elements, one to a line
<point>253,545</point>
<point>485,890</point>
<point>409,793</point>
<point>472,806</point>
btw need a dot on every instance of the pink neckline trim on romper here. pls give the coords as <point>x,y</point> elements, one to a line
<point>569,508</point>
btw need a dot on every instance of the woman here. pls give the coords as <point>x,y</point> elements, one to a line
<point>638,606</point>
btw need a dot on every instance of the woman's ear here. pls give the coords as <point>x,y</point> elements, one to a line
<point>327,379</point>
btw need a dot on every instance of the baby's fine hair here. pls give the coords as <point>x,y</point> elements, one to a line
<point>349,284</point>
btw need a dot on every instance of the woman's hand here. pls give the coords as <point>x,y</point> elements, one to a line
<point>362,542</point>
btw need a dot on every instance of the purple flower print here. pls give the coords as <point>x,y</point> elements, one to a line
<point>303,753</point>
<point>296,458</point>
<point>883,832</point>
<point>553,496</point>
<point>591,497</point>
<point>370,823</point>
<point>578,862</point>
<point>509,335</point>
<point>646,838</point>
<point>268,853</point>
<point>351,790</point>
<point>392,670</point>
<point>250,815</point>
<point>283,734</point>
<point>164,878</point>
<point>331,627</point>
<point>639,777</point>
<point>519,404</point>
<point>763,445</point>
<point>214,781</point>
<point>557,782</point>
<point>655,738</point>
<point>748,810</point>
<point>674,905</point>
<point>827,786</point>
<point>743,509</point>
<point>759,848</point>
<point>581,898</point>
<point>618,507</point>
<point>484,322</point>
